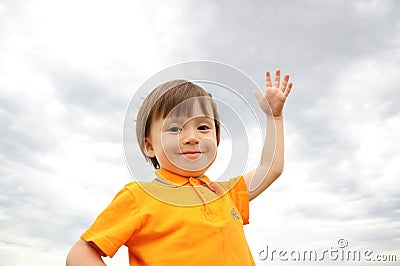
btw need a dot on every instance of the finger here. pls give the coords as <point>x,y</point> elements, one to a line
<point>285,82</point>
<point>288,89</point>
<point>277,78</point>
<point>268,82</point>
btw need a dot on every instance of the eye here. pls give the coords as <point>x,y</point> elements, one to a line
<point>174,129</point>
<point>203,127</point>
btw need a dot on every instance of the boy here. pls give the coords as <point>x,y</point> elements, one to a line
<point>182,217</point>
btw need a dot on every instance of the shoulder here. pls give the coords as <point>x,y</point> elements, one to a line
<point>132,191</point>
<point>132,186</point>
<point>142,191</point>
<point>232,184</point>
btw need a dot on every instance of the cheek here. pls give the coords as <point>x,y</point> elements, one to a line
<point>209,145</point>
<point>170,143</point>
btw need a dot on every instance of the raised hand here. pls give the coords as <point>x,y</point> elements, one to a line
<point>275,96</point>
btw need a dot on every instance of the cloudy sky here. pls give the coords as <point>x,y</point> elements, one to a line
<point>68,70</point>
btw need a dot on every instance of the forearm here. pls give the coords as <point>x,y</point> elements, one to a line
<point>82,254</point>
<point>272,157</point>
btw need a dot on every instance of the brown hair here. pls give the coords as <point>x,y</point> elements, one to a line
<point>170,96</point>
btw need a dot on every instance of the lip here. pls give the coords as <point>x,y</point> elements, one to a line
<point>192,154</point>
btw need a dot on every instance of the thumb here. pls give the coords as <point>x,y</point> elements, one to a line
<point>262,101</point>
<point>258,95</point>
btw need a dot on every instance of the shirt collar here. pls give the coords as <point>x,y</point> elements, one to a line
<point>177,180</point>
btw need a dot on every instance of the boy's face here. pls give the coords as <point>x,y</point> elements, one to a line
<point>184,145</point>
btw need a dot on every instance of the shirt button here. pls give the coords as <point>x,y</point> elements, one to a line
<point>194,181</point>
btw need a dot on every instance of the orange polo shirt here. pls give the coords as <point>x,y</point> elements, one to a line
<point>176,220</point>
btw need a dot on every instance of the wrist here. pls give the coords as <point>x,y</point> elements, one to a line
<point>275,117</point>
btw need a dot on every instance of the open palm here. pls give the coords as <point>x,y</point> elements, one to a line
<point>275,95</point>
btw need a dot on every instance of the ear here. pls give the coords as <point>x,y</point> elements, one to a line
<point>148,147</point>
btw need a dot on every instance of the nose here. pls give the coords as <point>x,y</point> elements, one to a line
<point>190,136</point>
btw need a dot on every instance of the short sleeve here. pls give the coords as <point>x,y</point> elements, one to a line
<point>240,196</point>
<point>116,225</point>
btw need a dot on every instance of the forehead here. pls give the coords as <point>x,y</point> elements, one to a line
<point>196,112</point>
<point>191,108</point>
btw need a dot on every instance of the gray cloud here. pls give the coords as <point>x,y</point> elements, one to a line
<point>321,43</point>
